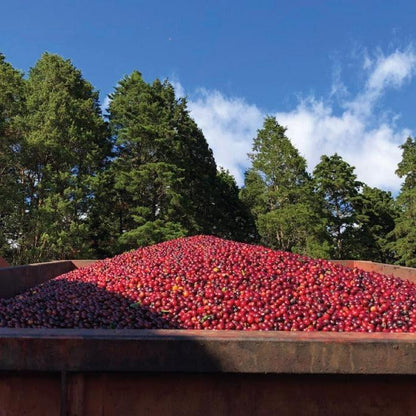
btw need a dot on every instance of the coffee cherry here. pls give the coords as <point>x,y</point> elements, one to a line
<point>204,282</point>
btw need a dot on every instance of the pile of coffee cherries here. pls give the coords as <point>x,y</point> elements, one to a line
<point>204,282</point>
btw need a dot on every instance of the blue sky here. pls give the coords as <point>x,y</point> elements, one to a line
<point>339,74</point>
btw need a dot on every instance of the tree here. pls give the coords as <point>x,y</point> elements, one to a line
<point>376,214</point>
<point>65,144</point>
<point>404,231</point>
<point>164,174</point>
<point>337,187</point>
<point>233,219</point>
<point>278,192</point>
<point>12,104</point>
<point>146,178</point>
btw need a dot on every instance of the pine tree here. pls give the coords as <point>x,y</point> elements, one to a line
<point>337,186</point>
<point>279,194</point>
<point>146,179</point>
<point>376,213</point>
<point>12,105</point>
<point>164,174</point>
<point>65,145</point>
<point>233,219</point>
<point>404,232</point>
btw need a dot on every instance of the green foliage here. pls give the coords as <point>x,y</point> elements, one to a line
<point>407,166</point>
<point>12,103</point>
<point>64,145</point>
<point>404,245</point>
<point>152,232</point>
<point>163,179</point>
<point>337,187</point>
<point>278,192</point>
<point>376,214</point>
<point>72,185</point>
<point>404,233</point>
<point>70,189</point>
<point>147,180</point>
<point>231,218</point>
<point>106,215</point>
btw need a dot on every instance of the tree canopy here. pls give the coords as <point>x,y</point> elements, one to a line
<point>279,194</point>
<point>12,104</point>
<point>163,179</point>
<point>404,233</point>
<point>77,184</point>
<point>336,184</point>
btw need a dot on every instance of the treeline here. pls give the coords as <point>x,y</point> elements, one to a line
<point>75,184</point>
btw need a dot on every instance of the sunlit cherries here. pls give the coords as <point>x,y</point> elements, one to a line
<point>205,282</point>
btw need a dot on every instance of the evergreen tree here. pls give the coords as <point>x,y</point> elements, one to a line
<point>337,186</point>
<point>278,192</point>
<point>146,178</point>
<point>11,191</point>
<point>65,145</point>
<point>164,174</point>
<point>404,232</point>
<point>233,219</point>
<point>376,213</point>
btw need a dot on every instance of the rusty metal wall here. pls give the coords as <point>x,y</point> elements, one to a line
<point>101,394</point>
<point>199,351</point>
<point>30,394</point>
<point>17,279</point>
<point>243,394</point>
<point>173,372</point>
<point>407,273</point>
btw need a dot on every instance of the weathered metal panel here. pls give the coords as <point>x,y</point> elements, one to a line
<point>17,279</point>
<point>29,394</point>
<point>75,350</point>
<point>217,394</point>
<point>247,394</point>
<point>406,273</point>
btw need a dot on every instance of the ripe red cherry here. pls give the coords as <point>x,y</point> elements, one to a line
<point>205,282</point>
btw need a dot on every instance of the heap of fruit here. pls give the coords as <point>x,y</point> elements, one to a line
<point>205,282</point>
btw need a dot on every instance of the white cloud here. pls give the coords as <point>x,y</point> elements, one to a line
<point>338,88</point>
<point>385,72</point>
<point>392,70</point>
<point>105,104</point>
<point>229,125</point>
<point>179,90</point>
<point>367,61</point>
<point>365,139</point>
<point>374,152</point>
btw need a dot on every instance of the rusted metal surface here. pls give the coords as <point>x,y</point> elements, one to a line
<point>101,394</point>
<point>82,263</point>
<point>406,273</point>
<point>17,279</point>
<point>75,393</point>
<point>247,394</point>
<point>206,351</point>
<point>29,394</point>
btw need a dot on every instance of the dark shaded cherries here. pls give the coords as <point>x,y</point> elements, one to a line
<point>205,282</point>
